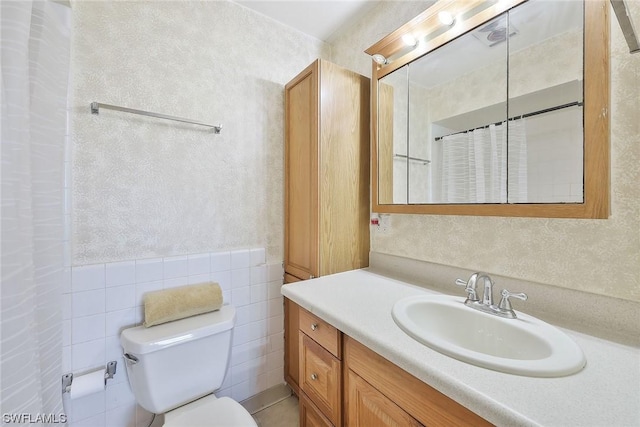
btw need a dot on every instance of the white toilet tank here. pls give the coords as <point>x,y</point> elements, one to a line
<point>179,361</point>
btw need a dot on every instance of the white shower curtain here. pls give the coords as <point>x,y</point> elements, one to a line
<point>35,69</point>
<point>470,167</point>
<point>518,169</point>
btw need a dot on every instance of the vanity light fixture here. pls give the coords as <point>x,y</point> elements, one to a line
<point>409,40</point>
<point>446,18</point>
<point>380,59</point>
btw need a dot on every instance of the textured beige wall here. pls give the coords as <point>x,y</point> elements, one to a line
<point>146,187</point>
<point>598,256</point>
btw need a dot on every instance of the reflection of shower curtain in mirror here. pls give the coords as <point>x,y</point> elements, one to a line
<point>517,162</point>
<point>470,167</point>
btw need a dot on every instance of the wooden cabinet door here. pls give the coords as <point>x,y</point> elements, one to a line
<point>301,174</point>
<point>320,378</point>
<point>344,147</point>
<point>291,362</point>
<point>384,184</point>
<point>310,416</point>
<point>366,406</point>
<point>424,403</point>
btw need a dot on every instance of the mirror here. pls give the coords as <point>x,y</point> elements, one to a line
<point>459,96</point>
<point>500,113</point>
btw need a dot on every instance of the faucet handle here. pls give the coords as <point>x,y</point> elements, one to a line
<point>505,304</point>
<point>461,282</point>
<point>472,295</point>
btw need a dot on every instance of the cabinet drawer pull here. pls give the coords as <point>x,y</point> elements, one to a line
<point>314,326</point>
<point>314,377</point>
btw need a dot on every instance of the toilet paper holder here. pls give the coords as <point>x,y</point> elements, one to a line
<point>109,372</point>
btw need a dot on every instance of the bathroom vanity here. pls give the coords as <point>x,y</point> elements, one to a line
<point>376,392</point>
<point>379,391</point>
<point>357,367</point>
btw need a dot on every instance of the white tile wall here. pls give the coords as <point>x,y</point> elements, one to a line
<point>554,158</point>
<point>103,299</point>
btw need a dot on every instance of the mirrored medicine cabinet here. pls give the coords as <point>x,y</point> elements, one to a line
<point>494,108</point>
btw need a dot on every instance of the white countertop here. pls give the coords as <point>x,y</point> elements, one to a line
<point>605,393</point>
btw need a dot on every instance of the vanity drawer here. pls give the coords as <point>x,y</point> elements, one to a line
<point>320,378</point>
<point>321,332</point>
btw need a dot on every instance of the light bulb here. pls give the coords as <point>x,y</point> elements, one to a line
<point>446,18</point>
<point>380,59</point>
<point>409,40</point>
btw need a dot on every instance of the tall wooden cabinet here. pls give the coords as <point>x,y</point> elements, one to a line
<point>326,181</point>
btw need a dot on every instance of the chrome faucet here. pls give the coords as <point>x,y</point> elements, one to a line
<point>503,309</point>
<point>471,288</point>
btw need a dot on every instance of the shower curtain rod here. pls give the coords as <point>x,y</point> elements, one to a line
<point>95,109</point>
<point>522,116</point>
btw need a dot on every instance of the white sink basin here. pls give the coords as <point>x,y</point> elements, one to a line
<point>522,346</point>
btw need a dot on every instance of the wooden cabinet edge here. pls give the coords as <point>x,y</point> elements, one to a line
<point>418,399</point>
<point>291,345</point>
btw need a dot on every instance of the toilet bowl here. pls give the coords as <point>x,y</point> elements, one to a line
<point>174,368</point>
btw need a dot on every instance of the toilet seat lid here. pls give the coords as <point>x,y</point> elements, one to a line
<point>210,412</point>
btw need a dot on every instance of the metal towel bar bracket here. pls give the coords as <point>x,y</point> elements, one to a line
<point>622,13</point>
<point>95,109</point>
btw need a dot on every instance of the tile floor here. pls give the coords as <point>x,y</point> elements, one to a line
<point>282,414</point>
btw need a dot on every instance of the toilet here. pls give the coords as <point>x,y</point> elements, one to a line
<point>174,368</point>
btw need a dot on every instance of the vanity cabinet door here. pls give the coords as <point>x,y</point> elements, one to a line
<point>310,416</point>
<point>368,407</point>
<point>419,400</point>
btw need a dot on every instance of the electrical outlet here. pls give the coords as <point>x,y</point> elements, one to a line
<point>384,224</point>
<point>380,223</point>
